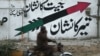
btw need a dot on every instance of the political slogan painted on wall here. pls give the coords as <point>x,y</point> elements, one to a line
<point>60,12</point>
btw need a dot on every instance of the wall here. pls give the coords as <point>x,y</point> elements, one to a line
<point>74,25</point>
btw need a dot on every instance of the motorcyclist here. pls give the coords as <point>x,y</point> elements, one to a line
<point>42,42</point>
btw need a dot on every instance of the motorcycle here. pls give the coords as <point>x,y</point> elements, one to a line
<point>57,51</point>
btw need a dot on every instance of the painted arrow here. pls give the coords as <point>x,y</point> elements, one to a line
<point>81,6</point>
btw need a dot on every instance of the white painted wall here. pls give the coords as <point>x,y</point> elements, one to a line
<point>14,21</point>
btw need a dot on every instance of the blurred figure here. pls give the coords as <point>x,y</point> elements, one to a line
<point>42,42</point>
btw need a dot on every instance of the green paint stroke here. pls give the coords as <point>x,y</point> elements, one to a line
<point>29,27</point>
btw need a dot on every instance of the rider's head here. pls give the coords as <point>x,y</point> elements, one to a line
<point>43,29</point>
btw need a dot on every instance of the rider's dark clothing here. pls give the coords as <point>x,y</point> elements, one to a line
<point>42,42</point>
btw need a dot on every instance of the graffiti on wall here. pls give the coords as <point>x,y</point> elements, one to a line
<point>35,5</point>
<point>81,6</point>
<point>15,12</point>
<point>68,25</point>
<point>4,19</point>
<point>43,6</point>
